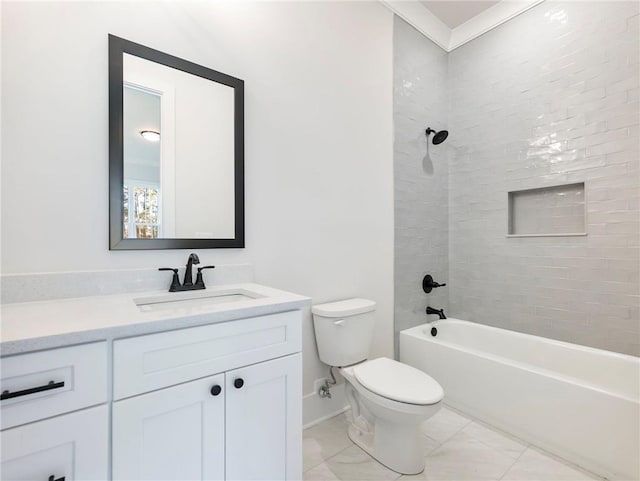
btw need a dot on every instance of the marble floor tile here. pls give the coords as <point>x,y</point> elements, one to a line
<point>322,472</point>
<point>324,440</point>
<point>353,464</point>
<point>534,465</point>
<point>430,445</point>
<point>443,425</point>
<point>499,441</point>
<point>464,457</point>
<point>470,451</point>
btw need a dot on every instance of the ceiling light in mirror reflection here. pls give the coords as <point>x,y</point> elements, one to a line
<point>150,135</point>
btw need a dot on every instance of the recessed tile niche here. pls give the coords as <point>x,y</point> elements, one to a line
<point>548,211</point>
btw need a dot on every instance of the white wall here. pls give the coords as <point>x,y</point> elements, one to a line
<point>319,176</point>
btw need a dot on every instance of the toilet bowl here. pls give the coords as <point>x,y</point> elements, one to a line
<point>389,400</point>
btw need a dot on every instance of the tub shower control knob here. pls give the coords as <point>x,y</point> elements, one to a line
<point>428,284</point>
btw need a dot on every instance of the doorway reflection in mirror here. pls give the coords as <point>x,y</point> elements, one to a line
<point>141,186</point>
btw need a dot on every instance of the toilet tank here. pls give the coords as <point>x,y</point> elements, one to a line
<point>344,330</point>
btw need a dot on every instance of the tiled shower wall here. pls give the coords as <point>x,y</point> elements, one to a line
<point>421,217</point>
<point>550,97</point>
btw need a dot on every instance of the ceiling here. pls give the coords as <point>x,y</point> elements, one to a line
<point>455,12</point>
<point>141,112</point>
<point>452,23</point>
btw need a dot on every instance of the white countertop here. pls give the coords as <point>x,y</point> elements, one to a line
<point>32,326</point>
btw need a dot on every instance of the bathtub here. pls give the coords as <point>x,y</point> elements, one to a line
<point>579,403</point>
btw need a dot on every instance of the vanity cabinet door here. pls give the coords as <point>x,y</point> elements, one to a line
<point>264,421</point>
<point>70,447</point>
<point>175,433</point>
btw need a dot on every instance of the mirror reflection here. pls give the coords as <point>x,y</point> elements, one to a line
<point>141,186</point>
<point>178,169</point>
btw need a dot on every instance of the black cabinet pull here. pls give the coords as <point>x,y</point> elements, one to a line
<point>215,390</point>
<point>53,478</point>
<point>47,387</point>
<point>238,383</point>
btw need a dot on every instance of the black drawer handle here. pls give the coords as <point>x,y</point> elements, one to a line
<point>238,383</point>
<point>215,390</point>
<point>53,478</point>
<point>33,390</point>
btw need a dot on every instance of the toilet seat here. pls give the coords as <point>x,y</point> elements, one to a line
<point>398,382</point>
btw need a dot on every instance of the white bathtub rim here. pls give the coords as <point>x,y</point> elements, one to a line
<point>557,342</point>
<point>419,333</point>
<point>537,370</point>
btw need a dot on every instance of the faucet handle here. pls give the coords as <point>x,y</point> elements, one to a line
<point>175,282</point>
<point>199,279</point>
<point>206,267</point>
<point>428,284</point>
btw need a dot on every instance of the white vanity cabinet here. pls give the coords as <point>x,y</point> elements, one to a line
<point>41,438</point>
<point>206,396</point>
<point>264,421</point>
<point>221,401</point>
<point>240,425</point>
<point>64,448</point>
<point>173,433</point>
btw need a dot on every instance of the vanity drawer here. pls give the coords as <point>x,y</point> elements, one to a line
<point>39,385</point>
<point>146,363</point>
<point>72,447</point>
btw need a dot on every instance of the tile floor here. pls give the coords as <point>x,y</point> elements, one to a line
<point>456,448</point>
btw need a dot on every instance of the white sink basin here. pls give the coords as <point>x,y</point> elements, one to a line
<point>181,300</point>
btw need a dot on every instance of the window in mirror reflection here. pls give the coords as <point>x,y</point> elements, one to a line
<point>144,223</point>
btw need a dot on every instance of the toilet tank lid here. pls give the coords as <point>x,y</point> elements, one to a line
<point>348,307</point>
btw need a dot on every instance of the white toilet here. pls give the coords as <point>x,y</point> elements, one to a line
<point>388,399</point>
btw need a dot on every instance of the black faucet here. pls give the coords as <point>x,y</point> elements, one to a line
<point>439,312</point>
<point>188,276</point>
<point>188,284</point>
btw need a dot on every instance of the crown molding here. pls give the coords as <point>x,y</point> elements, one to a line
<point>488,20</point>
<point>415,14</point>
<point>448,39</point>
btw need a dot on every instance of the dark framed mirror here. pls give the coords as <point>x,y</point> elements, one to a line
<point>176,152</point>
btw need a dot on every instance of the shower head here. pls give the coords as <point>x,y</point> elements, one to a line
<point>439,137</point>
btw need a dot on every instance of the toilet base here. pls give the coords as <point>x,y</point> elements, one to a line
<point>398,447</point>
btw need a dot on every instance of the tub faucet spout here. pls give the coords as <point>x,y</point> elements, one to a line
<point>439,312</point>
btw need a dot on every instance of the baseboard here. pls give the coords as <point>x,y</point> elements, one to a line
<point>316,409</point>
